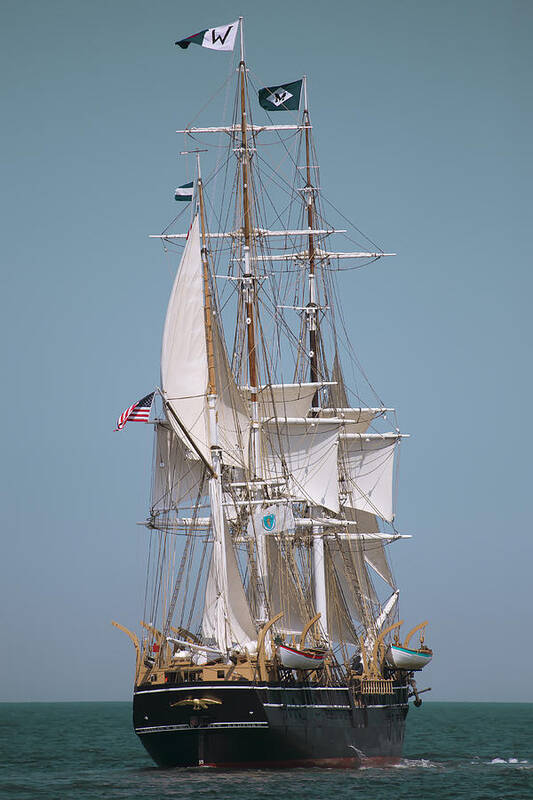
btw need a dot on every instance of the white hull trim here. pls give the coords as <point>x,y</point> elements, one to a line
<point>223,686</point>
<point>172,728</point>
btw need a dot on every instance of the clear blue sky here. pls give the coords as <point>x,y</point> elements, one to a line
<point>423,119</point>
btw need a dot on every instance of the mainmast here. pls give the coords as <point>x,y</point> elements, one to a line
<point>319,564</point>
<point>249,288</point>
<point>311,312</point>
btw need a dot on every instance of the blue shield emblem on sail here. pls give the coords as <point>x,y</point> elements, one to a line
<point>269,521</point>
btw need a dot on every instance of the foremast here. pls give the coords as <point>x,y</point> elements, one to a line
<point>211,386</point>
<point>219,570</point>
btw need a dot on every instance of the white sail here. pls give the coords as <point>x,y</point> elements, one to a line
<point>374,550</point>
<point>226,617</point>
<point>178,478</point>
<point>184,375</point>
<point>233,421</point>
<point>367,466</point>
<point>286,399</point>
<point>309,453</point>
<point>355,420</point>
<point>184,365</point>
<point>376,558</point>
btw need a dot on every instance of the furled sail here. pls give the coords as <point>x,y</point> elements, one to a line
<point>387,611</point>
<point>367,467</point>
<point>226,617</point>
<point>308,451</point>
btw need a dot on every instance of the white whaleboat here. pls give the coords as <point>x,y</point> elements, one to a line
<point>270,602</point>
<point>405,657</point>
<point>293,658</point>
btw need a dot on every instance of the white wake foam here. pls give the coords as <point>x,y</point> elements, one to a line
<point>416,763</point>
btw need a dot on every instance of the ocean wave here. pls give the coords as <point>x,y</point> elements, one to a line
<point>417,763</point>
<point>512,761</point>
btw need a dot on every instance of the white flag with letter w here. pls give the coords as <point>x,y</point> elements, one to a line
<point>221,38</point>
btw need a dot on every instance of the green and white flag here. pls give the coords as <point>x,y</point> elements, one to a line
<point>285,97</point>
<point>221,38</point>
<point>184,193</point>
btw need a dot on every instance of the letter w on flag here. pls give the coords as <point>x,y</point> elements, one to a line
<point>221,38</point>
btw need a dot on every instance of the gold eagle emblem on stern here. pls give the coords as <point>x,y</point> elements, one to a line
<point>198,703</point>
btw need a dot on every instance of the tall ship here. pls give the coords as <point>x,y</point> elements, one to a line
<point>270,634</point>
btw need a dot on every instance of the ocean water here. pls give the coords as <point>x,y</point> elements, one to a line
<point>87,751</point>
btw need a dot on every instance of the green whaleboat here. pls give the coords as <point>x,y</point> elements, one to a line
<point>270,606</point>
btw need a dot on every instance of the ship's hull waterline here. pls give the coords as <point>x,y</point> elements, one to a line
<point>242,726</point>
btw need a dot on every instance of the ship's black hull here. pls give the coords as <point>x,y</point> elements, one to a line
<point>249,725</point>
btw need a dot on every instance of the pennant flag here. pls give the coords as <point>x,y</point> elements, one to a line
<point>285,97</point>
<point>138,412</point>
<point>221,38</point>
<point>184,193</point>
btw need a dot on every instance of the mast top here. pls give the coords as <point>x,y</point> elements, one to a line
<point>241,31</point>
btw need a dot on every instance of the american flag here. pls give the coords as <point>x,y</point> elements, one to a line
<point>138,412</point>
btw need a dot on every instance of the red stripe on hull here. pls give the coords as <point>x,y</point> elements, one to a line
<point>302,652</point>
<point>381,761</point>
